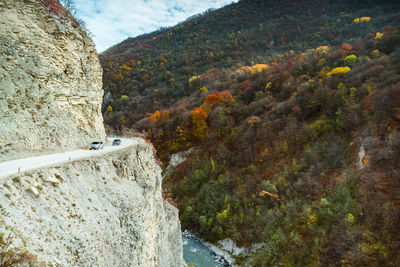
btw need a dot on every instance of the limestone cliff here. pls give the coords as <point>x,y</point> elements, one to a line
<point>50,80</point>
<point>102,211</point>
<point>105,211</point>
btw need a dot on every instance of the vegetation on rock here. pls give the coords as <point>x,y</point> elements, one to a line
<point>10,256</point>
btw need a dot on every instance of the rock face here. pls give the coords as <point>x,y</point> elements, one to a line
<point>105,211</point>
<point>101,211</point>
<point>50,80</point>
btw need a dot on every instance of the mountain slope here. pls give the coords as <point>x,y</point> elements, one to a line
<point>298,151</point>
<point>153,70</point>
<point>301,155</point>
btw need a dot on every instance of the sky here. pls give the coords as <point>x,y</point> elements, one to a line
<point>112,21</point>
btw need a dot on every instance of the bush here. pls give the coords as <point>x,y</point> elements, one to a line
<point>338,70</point>
<point>11,256</point>
<point>349,60</point>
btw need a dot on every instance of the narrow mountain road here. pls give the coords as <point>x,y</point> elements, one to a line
<point>12,167</point>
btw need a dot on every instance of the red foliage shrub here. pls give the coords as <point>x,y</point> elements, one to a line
<point>387,29</point>
<point>225,97</point>
<point>211,99</point>
<point>346,47</point>
<point>244,85</point>
<point>216,97</point>
<point>54,6</point>
<point>369,36</point>
<point>375,70</point>
<point>57,8</point>
<point>290,64</point>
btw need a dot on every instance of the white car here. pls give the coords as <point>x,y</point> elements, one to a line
<point>96,145</point>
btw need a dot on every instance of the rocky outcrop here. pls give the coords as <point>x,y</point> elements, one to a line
<point>101,211</point>
<point>105,211</point>
<point>50,80</point>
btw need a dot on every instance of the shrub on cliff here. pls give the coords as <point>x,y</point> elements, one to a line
<point>10,256</point>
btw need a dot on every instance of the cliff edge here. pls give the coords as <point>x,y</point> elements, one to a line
<point>103,211</point>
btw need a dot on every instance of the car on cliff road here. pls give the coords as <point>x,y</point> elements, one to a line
<point>96,145</point>
<point>116,142</point>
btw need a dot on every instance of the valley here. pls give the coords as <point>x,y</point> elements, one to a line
<point>272,107</point>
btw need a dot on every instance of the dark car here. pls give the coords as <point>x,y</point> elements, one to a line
<point>96,145</point>
<point>116,142</point>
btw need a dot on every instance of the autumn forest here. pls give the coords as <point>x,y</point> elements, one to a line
<point>288,114</point>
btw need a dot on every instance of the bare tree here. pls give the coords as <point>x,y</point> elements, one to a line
<point>70,6</point>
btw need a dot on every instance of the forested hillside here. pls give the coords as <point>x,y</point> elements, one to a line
<point>153,71</point>
<point>291,128</point>
<point>301,154</point>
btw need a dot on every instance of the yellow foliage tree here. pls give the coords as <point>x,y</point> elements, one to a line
<point>221,217</point>
<point>362,19</point>
<point>322,48</point>
<point>339,70</point>
<point>193,78</point>
<point>375,53</point>
<point>378,36</point>
<point>253,69</point>
<point>204,89</point>
<point>350,218</point>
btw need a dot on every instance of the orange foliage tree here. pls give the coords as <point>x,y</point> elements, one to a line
<point>225,97</point>
<point>215,98</point>
<point>159,116</point>
<point>156,116</point>
<point>164,115</point>
<point>199,117</point>
<point>212,99</point>
<point>346,48</point>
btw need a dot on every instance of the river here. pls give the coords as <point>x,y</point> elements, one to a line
<point>195,252</point>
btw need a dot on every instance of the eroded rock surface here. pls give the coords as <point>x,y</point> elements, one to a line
<point>102,211</point>
<point>105,211</point>
<point>50,81</point>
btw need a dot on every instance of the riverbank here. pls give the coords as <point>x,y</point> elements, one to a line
<point>219,256</point>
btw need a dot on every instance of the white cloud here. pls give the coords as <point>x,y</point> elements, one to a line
<point>112,21</point>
